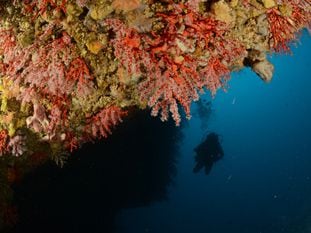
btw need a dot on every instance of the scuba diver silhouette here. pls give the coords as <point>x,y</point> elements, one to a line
<point>207,153</point>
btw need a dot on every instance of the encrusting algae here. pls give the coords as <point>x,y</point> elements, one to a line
<point>72,70</point>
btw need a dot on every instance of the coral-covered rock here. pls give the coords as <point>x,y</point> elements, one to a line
<point>71,70</point>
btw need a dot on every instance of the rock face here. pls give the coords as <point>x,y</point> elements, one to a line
<point>70,71</point>
<point>264,69</point>
<point>269,3</point>
<point>223,12</point>
<point>257,60</point>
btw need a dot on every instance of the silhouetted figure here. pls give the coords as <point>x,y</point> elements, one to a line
<point>207,153</point>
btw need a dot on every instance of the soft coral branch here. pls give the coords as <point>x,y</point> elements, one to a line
<point>53,68</point>
<point>127,46</point>
<point>4,137</point>
<point>285,24</point>
<point>101,124</point>
<point>282,30</point>
<point>175,60</point>
<point>39,7</point>
<point>46,69</point>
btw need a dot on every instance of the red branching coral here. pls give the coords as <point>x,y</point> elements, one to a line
<point>282,30</point>
<point>100,124</point>
<point>301,13</point>
<point>58,117</point>
<point>49,69</point>
<point>127,47</point>
<point>60,83</point>
<point>14,57</point>
<point>284,24</point>
<point>78,74</point>
<point>72,142</point>
<point>173,60</point>
<point>216,74</point>
<point>38,7</point>
<point>3,141</point>
<point>52,71</point>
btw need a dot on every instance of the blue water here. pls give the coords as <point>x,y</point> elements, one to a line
<point>263,183</point>
<point>141,180</point>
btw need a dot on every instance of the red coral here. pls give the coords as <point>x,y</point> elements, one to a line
<point>301,14</point>
<point>58,117</point>
<point>14,58</point>
<point>3,141</point>
<point>79,74</point>
<point>127,47</point>
<point>39,7</point>
<point>7,40</point>
<point>216,74</point>
<point>100,124</point>
<point>173,71</point>
<point>283,28</point>
<point>50,70</point>
<point>71,143</point>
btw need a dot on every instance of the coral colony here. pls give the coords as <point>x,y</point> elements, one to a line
<point>71,70</point>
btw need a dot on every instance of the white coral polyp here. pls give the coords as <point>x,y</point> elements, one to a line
<point>17,145</point>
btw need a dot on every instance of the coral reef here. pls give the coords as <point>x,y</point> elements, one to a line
<point>70,70</point>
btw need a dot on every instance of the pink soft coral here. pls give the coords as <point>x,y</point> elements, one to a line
<point>174,72</point>
<point>284,25</point>
<point>101,124</point>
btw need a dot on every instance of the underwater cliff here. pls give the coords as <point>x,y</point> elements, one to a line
<point>71,71</point>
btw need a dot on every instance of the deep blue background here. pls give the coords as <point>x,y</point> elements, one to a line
<point>263,183</point>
